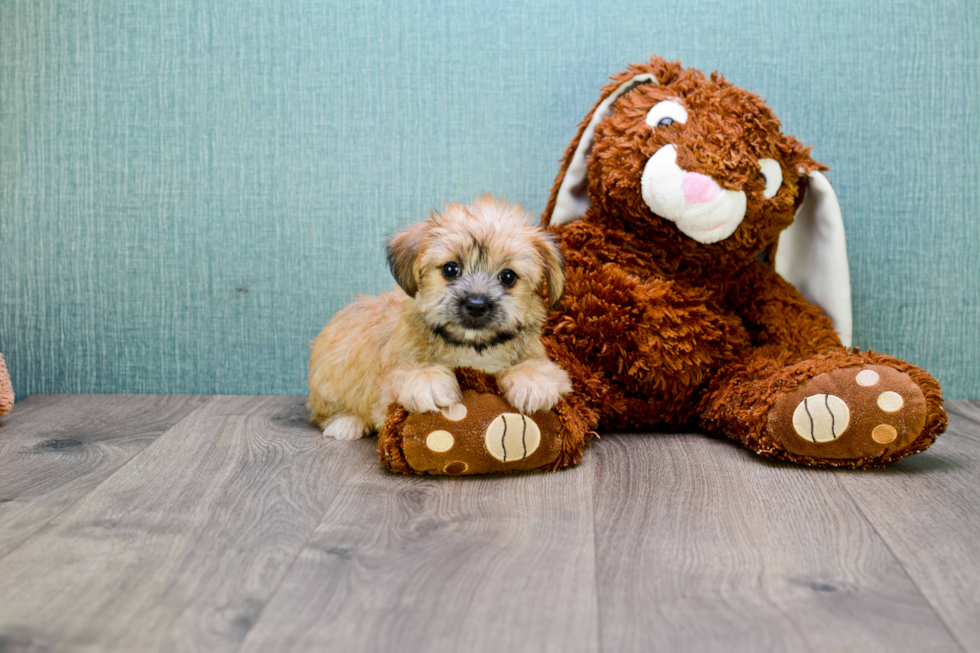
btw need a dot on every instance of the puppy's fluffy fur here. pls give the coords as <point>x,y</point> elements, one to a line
<point>458,305</point>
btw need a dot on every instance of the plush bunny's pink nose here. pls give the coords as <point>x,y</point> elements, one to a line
<point>699,189</point>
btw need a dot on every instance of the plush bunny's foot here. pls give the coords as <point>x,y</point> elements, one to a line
<point>484,434</point>
<point>481,435</point>
<point>838,409</point>
<point>852,413</point>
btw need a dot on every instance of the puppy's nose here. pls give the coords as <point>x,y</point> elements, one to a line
<point>699,189</point>
<point>476,306</point>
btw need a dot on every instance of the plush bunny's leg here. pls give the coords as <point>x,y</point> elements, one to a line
<point>837,409</point>
<point>483,434</point>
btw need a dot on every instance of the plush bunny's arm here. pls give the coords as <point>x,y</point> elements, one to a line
<point>653,333</point>
<point>777,314</point>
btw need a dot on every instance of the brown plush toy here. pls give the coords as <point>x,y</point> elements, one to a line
<point>483,435</point>
<point>6,390</point>
<point>684,214</point>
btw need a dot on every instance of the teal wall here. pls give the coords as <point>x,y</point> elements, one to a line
<point>189,189</point>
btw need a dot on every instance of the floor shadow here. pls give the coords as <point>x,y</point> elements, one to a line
<point>927,462</point>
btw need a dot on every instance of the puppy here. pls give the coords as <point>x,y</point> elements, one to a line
<point>470,295</point>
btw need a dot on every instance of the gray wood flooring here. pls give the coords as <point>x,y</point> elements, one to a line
<point>178,523</point>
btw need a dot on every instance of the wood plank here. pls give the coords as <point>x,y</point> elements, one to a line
<point>55,448</point>
<point>927,510</point>
<point>422,564</point>
<point>181,548</point>
<point>702,546</point>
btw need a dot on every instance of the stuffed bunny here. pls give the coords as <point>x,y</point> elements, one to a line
<point>6,390</point>
<point>707,282</point>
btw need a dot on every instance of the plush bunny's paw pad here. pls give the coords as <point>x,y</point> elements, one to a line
<point>481,435</point>
<point>857,412</point>
<point>512,437</point>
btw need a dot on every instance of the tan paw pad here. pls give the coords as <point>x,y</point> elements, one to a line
<point>867,378</point>
<point>884,434</point>
<point>890,402</point>
<point>439,441</point>
<point>821,418</point>
<point>455,413</point>
<point>512,437</point>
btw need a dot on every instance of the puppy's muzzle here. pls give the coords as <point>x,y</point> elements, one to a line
<point>700,208</point>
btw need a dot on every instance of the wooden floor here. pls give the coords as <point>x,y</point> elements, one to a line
<point>162,523</point>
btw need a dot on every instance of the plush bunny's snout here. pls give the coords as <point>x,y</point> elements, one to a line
<point>696,203</point>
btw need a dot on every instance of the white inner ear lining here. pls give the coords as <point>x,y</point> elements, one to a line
<point>572,200</point>
<point>812,254</point>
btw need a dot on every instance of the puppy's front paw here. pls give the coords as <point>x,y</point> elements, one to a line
<point>534,385</point>
<point>345,427</point>
<point>427,390</point>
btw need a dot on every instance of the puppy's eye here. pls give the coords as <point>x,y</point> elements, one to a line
<point>450,270</point>
<point>665,114</point>
<point>773,174</point>
<point>508,278</point>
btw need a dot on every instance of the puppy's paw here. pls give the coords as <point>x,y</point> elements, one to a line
<point>429,389</point>
<point>534,385</point>
<point>345,427</point>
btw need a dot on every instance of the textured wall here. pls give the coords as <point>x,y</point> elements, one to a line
<point>189,189</point>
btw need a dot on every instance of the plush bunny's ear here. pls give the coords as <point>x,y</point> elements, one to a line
<point>812,254</point>
<point>570,196</point>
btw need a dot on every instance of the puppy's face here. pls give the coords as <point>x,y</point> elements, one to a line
<point>476,272</point>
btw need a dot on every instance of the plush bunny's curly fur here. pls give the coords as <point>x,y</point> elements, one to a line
<point>661,330</point>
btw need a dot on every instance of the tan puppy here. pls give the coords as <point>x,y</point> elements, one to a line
<point>470,296</point>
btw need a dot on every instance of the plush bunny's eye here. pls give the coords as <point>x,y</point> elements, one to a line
<point>773,174</point>
<point>666,113</point>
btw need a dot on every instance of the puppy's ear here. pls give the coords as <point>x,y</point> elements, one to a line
<point>403,250</point>
<point>554,268</point>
